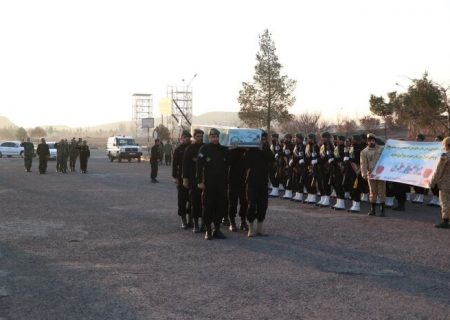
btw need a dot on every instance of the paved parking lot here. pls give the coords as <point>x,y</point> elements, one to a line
<point>107,245</point>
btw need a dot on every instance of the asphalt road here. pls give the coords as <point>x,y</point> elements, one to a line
<point>107,245</point>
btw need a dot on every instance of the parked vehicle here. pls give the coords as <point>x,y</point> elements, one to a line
<point>123,147</point>
<point>11,149</point>
<point>53,151</point>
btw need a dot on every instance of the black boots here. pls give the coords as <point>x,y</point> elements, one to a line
<point>383,207</point>
<point>444,224</point>
<point>217,233</point>
<point>184,224</point>
<point>372,209</point>
<point>196,228</point>
<point>244,225</point>
<point>208,234</point>
<point>226,222</point>
<point>233,226</point>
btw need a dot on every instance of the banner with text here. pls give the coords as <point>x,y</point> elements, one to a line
<point>409,162</point>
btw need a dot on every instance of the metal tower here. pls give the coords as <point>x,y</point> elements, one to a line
<point>181,97</point>
<point>142,107</point>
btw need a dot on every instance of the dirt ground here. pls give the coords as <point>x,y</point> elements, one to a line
<point>107,245</point>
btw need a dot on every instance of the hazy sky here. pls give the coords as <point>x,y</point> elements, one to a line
<point>79,62</point>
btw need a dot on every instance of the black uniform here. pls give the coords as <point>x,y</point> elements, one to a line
<point>277,151</point>
<point>258,164</point>
<point>212,171</point>
<point>85,153</point>
<point>154,158</point>
<point>337,171</point>
<point>177,170</point>
<point>43,152</point>
<point>299,166</point>
<point>312,152</point>
<point>189,172</point>
<point>324,168</point>
<point>236,184</point>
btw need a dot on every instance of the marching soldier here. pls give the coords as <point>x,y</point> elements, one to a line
<point>211,175</point>
<point>353,174</point>
<point>369,158</point>
<point>299,167</point>
<point>177,171</point>
<point>73,154</point>
<point>337,173</point>
<point>190,180</point>
<point>85,153</point>
<point>28,151</point>
<point>43,153</point>
<point>326,157</point>
<point>311,155</point>
<point>236,189</point>
<point>286,165</point>
<point>441,178</point>
<point>258,163</point>
<point>274,178</point>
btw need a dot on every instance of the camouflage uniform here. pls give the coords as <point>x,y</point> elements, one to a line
<point>28,151</point>
<point>441,178</point>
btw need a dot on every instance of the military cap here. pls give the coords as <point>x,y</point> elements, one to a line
<point>371,136</point>
<point>420,137</point>
<point>275,135</point>
<point>312,136</point>
<point>326,135</point>
<point>288,136</point>
<point>439,138</point>
<point>214,132</point>
<point>299,136</point>
<point>357,137</point>
<point>186,133</point>
<point>198,131</point>
<point>341,138</point>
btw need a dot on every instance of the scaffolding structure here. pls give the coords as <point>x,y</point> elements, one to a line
<point>181,97</point>
<point>142,108</point>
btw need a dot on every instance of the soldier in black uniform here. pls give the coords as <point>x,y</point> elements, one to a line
<point>311,154</point>
<point>298,165</point>
<point>326,156</point>
<point>287,168</point>
<point>28,151</point>
<point>43,153</point>
<point>258,163</point>
<point>236,189</point>
<point>154,159</point>
<point>212,175</point>
<point>337,173</point>
<point>190,179</point>
<point>354,174</point>
<point>177,171</point>
<point>85,153</point>
<point>274,178</point>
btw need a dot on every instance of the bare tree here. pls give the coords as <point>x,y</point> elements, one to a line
<point>369,123</point>
<point>305,123</point>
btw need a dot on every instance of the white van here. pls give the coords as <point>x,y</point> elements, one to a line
<point>123,147</point>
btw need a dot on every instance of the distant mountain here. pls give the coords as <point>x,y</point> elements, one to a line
<point>5,122</point>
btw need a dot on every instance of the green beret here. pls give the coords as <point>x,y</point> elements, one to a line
<point>439,138</point>
<point>371,136</point>
<point>420,137</point>
<point>326,135</point>
<point>341,138</point>
<point>312,136</point>
<point>198,131</point>
<point>363,136</point>
<point>214,132</point>
<point>263,134</point>
<point>299,136</point>
<point>288,136</point>
<point>186,133</point>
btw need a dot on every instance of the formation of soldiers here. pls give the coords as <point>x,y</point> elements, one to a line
<point>314,171</point>
<point>65,152</point>
<point>213,181</point>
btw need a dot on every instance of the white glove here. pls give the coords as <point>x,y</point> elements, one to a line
<point>276,156</point>
<point>313,162</point>
<point>328,152</point>
<point>291,162</point>
<point>346,158</point>
<point>287,152</point>
<point>301,161</point>
<point>277,148</point>
<point>330,160</point>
